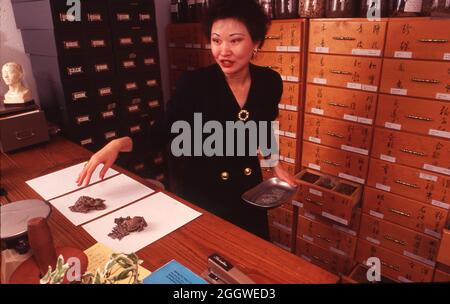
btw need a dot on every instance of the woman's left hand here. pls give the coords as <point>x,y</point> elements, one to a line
<point>284,175</point>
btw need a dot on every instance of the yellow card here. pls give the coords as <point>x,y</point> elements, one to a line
<point>98,255</point>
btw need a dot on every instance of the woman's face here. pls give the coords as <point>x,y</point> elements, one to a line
<point>231,45</point>
<point>10,75</point>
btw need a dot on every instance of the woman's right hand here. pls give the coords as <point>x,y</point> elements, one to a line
<point>106,156</point>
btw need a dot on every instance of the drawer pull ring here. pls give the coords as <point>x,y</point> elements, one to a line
<point>432,81</point>
<point>413,152</point>
<point>340,72</point>
<point>273,37</point>
<point>407,184</point>
<point>419,118</point>
<point>400,212</point>
<point>344,38</point>
<point>314,202</point>
<point>433,40</point>
<point>332,163</point>
<point>340,105</point>
<point>334,134</point>
<point>398,242</point>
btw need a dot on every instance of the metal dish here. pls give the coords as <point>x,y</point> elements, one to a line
<point>270,193</point>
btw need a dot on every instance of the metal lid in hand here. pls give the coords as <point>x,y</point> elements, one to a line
<point>15,216</point>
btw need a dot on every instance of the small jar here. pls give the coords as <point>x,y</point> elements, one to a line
<point>407,8</point>
<point>440,8</point>
<point>374,8</point>
<point>312,8</point>
<point>341,8</point>
<point>267,6</point>
<point>286,9</point>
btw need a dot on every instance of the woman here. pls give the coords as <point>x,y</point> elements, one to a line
<point>229,91</point>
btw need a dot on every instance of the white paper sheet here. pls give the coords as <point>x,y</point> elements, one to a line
<point>117,192</point>
<point>63,181</point>
<point>162,213</point>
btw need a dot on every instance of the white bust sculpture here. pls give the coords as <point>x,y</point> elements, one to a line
<point>17,94</point>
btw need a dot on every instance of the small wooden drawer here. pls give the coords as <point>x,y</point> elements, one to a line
<point>331,197</point>
<point>280,237</point>
<point>414,115</point>
<point>418,39</point>
<point>431,188</point>
<point>421,152</point>
<point>359,276</point>
<point>347,165</point>
<point>441,276</point>
<point>347,136</point>
<point>284,36</point>
<point>281,216</point>
<point>393,265</point>
<point>344,71</point>
<point>408,213</point>
<point>314,215</point>
<point>355,106</point>
<point>206,58</point>
<point>326,259</point>
<point>288,65</point>
<point>404,241</point>
<point>178,59</point>
<point>288,149</point>
<point>423,79</point>
<point>347,37</point>
<point>291,98</point>
<point>193,59</point>
<point>444,249</point>
<point>326,236</point>
<point>179,35</point>
<point>288,123</point>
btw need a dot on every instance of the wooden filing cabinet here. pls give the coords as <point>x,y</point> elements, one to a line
<point>416,78</point>
<point>284,36</point>
<point>393,265</point>
<point>418,38</point>
<point>425,186</point>
<point>326,236</point>
<point>417,151</point>
<point>404,241</point>
<point>420,116</point>
<point>350,105</point>
<point>408,213</point>
<point>347,36</point>
<point>326,259</point>
<point>288,65</point>
<point>339,134</point>
<point>357,73</point>
<point>328,196</point>
<point>347,165</point>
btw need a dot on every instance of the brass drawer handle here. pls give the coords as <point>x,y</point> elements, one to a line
<point>419,117</point>
<point>314,202</point>
<point>407,184</point>
<point>344,38</point>
<point>323,238</point>
<point>273,37</point>
<point>273,67</point>
<point>332,134</point>
<point>433,40</point>
<point>315,257</point>
<point>340,105</point>
<point>413,152</point>
<point>432,81</point>
<point>393,267</point>
<point>332,163</point>
<point>400,212</point>
<point>26,134</point>
<point>340,72</point>
<point>394,240</point>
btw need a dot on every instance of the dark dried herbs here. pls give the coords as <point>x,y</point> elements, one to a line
<point>86,204</point>
<point>126,225</point>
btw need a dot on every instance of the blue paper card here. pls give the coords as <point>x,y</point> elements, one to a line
<point>174,273</point>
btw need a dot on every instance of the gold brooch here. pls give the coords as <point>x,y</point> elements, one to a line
<point>243,115</point>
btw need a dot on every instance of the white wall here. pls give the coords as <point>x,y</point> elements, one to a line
<point>11,45</point>
<point>11,48</point>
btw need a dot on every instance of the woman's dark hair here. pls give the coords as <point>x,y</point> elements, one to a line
<point>249,12</point>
